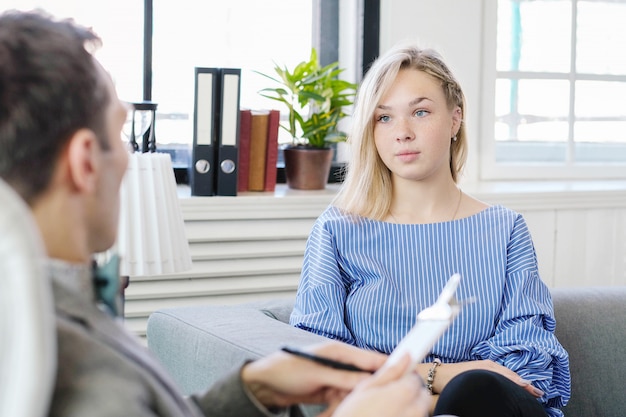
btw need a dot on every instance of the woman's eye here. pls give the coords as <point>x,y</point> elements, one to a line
<point>421,113</point>
<point>384,118</point>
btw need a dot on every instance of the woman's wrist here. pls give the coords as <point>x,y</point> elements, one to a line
<point>432,373</point>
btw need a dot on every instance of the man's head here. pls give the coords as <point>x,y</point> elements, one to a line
<point>60,122</point>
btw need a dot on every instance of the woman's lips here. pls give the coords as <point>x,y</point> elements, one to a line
<point>407,156</point>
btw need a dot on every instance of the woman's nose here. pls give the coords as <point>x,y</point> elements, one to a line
<point>404,132</point>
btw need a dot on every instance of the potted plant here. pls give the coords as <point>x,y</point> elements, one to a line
<point>315,98</point>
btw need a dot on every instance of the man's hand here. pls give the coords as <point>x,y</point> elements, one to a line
<point>281,379</point>
<point>392,392</point>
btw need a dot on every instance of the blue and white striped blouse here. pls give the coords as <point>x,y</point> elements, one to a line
<point>364,282</point>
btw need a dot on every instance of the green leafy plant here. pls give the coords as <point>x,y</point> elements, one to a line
<point>315,97</point>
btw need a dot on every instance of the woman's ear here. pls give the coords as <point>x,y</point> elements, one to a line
<point>457,119</point>
<point>83,162</point>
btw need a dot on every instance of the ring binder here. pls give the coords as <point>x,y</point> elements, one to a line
<point>227,132</point>
<point>216,132</point>
<point>202,170</point>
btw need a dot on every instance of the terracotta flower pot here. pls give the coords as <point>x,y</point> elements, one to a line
<point>307,168</point>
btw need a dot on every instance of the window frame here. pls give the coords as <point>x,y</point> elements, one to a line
<point>325,21</point>
<point>328,16</point>
<point>489,169</point>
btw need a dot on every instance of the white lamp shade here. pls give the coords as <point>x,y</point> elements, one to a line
<point>152,239</point>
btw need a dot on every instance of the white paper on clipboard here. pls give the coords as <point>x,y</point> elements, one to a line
<point>431,323</point>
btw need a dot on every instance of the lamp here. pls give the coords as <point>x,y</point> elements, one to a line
<point>151,234</point>
<point>151,237</point>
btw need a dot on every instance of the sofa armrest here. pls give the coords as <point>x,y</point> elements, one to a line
<point>199,344</point>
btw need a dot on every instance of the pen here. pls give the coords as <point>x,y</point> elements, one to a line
<point>324,361</point>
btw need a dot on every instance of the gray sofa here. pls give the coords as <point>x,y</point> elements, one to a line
<point>198,344</point>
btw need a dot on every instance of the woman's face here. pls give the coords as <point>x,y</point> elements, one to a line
<point>413,127</point>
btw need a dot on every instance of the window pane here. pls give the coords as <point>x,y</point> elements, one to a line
<point>544,98</point>
<point>552,131</point>
<point>533,128</point>
<point>600,122</point>
<point>600,131</point>
<point>539,113</point>
<point>534,35</point>
<point>600,99</point>
<point>120,25</point>
<point>247,34</point>
<point>601,23</point>
<point>607,152</point>
<point>536,152</point>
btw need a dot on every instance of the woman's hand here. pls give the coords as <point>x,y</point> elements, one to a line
<point>447,371</point>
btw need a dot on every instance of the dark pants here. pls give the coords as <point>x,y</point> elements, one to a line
<point>481,393</point>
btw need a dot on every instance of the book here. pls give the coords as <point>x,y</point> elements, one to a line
<point>258,150</point>
<point>272,150</point>
<point>245,125</point>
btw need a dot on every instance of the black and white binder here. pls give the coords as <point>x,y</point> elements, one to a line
<point>202,169</point>
<point>227,121</point>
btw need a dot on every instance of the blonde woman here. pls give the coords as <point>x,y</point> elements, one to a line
<point>400,227</point>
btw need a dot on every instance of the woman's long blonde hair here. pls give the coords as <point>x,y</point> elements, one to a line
<point>367,188</point>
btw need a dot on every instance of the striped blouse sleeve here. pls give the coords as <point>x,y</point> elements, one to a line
<point>321,294</point>
<point>523,338</point>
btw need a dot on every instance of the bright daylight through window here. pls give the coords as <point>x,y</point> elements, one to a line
<point>247,34</point>
<point>561,83</point>
<point>120,25</point>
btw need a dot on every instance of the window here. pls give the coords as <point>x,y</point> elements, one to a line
<point>247,34</point>
<point>560,80</point>
<point>119,23</point>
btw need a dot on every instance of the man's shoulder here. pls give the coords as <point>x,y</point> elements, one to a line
<point>103,370</point>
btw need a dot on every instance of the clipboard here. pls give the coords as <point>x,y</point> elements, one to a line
<point>431,323</point>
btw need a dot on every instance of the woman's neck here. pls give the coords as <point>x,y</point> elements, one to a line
<point>423,202</point>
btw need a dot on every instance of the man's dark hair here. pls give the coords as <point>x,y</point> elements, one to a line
<point>49,88</point>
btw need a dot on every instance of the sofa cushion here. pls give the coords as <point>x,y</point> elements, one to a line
<point>277,309</point>
<point>591,325</point>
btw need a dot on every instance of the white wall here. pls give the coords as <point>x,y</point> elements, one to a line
<point>454,28</point>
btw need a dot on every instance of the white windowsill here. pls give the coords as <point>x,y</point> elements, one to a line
<point>518,195</point>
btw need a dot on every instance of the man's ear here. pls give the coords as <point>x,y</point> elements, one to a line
<point>83,161</point>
